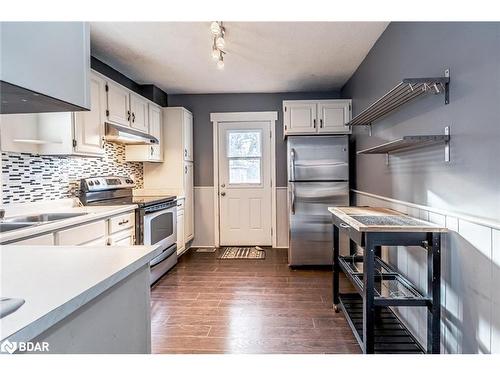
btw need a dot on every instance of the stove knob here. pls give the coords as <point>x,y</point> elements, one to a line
<point>91,183</point>
<point>97,182</point>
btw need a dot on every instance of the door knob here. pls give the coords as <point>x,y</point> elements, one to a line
<point>223,194</point>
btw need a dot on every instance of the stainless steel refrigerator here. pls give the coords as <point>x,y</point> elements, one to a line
<point>318,178</point>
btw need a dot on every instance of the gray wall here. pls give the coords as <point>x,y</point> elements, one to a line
<point>471,182</point>
<point>202,105</point>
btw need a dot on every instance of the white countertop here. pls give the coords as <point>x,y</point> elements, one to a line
<point>66,206</point>
<point>55,281</point>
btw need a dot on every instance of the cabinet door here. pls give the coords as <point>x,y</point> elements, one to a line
<point>43,240</point>
<point>189,201</point>
<point>299,117</point>
<point>333,115</point>
<point>89,126</point>
<point>139,116</point>
<point>188,136</point>
<point>82,234</point>
<point>180,232</point>
<point>155,128</point>
<point>118,104</point>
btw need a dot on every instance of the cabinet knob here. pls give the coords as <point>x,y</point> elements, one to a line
<point>223,194</point>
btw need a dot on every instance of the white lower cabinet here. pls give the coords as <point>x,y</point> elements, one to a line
<point>82,234</point>
<point>181,245</point>
<point>118,230</point>
<point>124,238</point>
<point>43,240</point>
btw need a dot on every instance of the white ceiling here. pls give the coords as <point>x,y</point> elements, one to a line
<point>261,56</point>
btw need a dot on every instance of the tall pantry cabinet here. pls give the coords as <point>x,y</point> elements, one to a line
<point>175,174</point>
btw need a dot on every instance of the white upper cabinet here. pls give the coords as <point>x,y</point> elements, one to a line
<point>316,116</point>
<point>118,101</point>
<point>155,121</point>
<point>139,113</point>
<point>333,115</point>
<point>59,133</point>
<point>89,126</point>
<point>188,135</point>
<point>299,117</point>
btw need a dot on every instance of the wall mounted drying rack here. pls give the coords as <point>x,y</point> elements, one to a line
<point>410,142</point>
<point>405,91</point>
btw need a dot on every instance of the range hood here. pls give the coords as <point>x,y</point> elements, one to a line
<point>123,134</point>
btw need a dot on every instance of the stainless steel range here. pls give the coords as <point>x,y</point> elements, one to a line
<point>155,217</point>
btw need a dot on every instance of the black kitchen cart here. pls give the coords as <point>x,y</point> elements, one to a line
<point>378,285</point>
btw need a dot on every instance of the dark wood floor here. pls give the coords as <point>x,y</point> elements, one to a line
<point>206,305</point>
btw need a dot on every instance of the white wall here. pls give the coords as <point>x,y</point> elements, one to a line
<point>204,216</point>
<point>470,277</point>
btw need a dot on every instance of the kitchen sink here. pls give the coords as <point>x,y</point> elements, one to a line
<point>5,227</point>
<point>42,218</point>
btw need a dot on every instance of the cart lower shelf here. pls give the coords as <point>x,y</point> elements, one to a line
<point>391,336</point>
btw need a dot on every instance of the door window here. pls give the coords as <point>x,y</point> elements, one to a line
<point>244,154</point>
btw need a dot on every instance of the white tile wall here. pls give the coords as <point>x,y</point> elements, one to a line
<point>470,270</point>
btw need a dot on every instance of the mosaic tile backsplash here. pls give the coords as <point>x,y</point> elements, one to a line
<point>31,178</point>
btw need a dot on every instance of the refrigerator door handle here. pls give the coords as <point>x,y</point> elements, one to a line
<point>292,203</point>
<point>292,164</point>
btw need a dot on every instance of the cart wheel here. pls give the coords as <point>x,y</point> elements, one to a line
<point>336,308</point>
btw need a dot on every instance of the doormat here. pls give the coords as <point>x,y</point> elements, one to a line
<point>242,253</point>
<point>206,250</point>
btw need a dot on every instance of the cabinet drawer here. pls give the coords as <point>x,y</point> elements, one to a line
<point>121,222</point>
<point>46,239</point>
<point>82,233</point>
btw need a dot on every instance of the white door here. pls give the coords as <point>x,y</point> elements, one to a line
<point>189,201</point>
<point>333,115</point>
<point>245,183</point>
<point>89,125</point>
<point>188,135</point>
<point>139,115</point>
<point>300,117</point>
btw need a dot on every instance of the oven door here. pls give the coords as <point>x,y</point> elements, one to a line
<point>160,227</point>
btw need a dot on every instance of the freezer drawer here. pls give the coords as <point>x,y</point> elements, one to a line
<point>310,235</point>
<point>318,158</point>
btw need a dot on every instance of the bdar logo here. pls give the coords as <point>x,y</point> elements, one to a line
<point>8,347</point>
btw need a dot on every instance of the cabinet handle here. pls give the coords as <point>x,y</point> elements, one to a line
<point>314,123</point>
<point>186,169</point>
<point>185,152</point>
<point>133,117</point>
<point>128,115</point>
<point>321,123</point>
<point>123,222</point>
<point>152,150</point>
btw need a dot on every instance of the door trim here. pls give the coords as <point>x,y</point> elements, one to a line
<point>216,119</point>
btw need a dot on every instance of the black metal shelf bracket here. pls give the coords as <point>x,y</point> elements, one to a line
<point>405,91</point>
